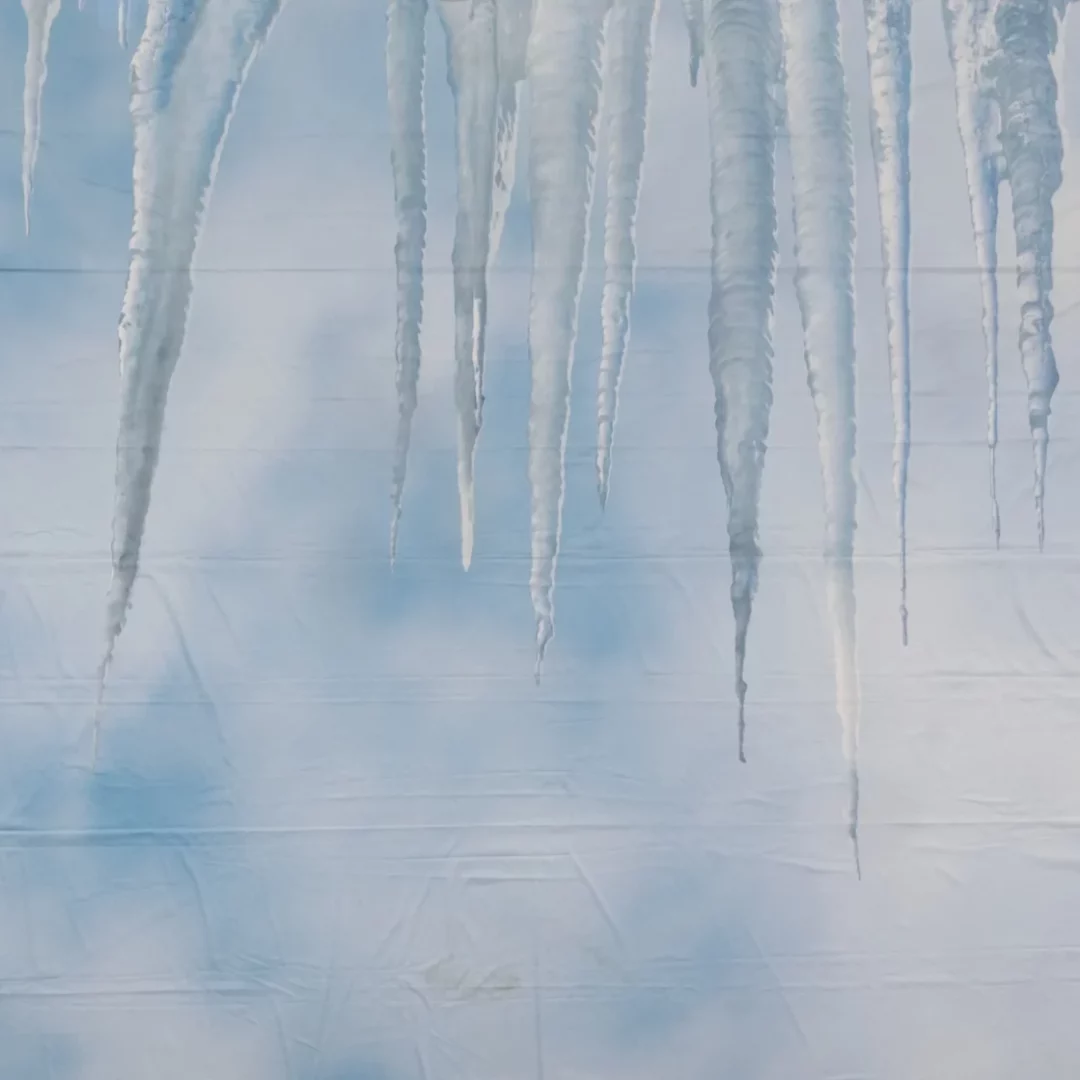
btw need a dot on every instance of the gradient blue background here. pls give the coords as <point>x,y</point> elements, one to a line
<point>336,831</point>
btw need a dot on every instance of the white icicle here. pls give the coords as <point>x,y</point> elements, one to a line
<point>629,41</point>
<point>888,33</point>
<point>1020,76</point>
<point>122,16</point>
<point>965,27</point>
<point>472,65</point>
<point>694,15</point>
<point>823,174</point>
<point>40,15</point>
<point>186,77</point>
<point>515,21</point>
<point>405,58</point>
<point>742,68</point>
<point>564,74</point>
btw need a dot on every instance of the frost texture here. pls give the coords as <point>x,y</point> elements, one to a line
<point>40,15</point>
<point>631,27</point>
<point>564,74</point>
<point>1019,74</point>
<point>405,57</point>
<point>821,157</point>
<point>742,52</point>
<point>888,35</point>
<point>186,77</point>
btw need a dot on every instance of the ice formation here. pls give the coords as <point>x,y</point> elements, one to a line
<point>40,15</point>
<point>564,75</point>
<point>186,77</point>
<point>742,54</point>
<point>631,26</point>
<point>823,186</point>
<point>888,34</point>
<point>405,53</point>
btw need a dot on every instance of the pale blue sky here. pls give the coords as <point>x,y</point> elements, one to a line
<point>336,831</point>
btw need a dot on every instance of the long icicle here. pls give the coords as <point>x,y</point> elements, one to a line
<point>631,27</point>
<point>824,179</point>
<point>405,58</point>
<point>564,74</point>
<point>888,34</point>
<point>965,27</point>
<point>742,53</point>
<point>472,63</point>
<point>1020,76</point>
<point>40,15</point>
<point>186,77</point>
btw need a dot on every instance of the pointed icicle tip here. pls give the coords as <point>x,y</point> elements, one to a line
<point>603,479</point>
<point>545,631</point>
<point>853,817</point>
<point>995,508</point>
<point>468,523</point>
<point>1042,437</point>
<point>740,691</point>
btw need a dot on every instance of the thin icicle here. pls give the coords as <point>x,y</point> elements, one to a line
<point>122,17</point>
<point>564,74</point>
<point>405,59</point>
<point>821,156</point>
<point>965,27</point>
<point>472,64</point>
<point>630,32</point>
<point>1020,77</point>
<point>515,21</point>
<point>694,15</point>
<point>40,15</point>
<point>186,77</point>
<point>888,33</point>
<point>742,52</point>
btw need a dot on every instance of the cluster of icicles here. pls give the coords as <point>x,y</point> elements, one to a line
<point>766,63</point>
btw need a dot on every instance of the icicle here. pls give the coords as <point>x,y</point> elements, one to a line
<point>965,26</point>
<point>742,67</point>
<point>888,32</point>
<point>694,14</point>
<point>472,64</point>
<point>40,15</point>
<point>1020,77</point>
<point>564,74</point>
<point>186,77</point>
<point>122,17</point>
<point>821,156</point>
<point>631,27</point>
<point>405,57</point>
<point>515,20</point>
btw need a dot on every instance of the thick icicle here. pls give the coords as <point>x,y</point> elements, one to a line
<point>1020,76</point>
<point>630,31</point>
<point>186,77</point>
<point>742,52</point>
<point>40,15</point>
<point>823,188</point>
<point>472,63</point>
<point>694,14</point>
<point>888,34</point>
<point>405,57</point>
<point>564,75</point>
<point>515,20</point>
<point>965,28</point>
